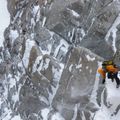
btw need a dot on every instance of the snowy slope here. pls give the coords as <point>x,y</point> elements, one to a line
<point>111,110</point>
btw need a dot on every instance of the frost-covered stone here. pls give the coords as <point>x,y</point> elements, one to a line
<point>46,71</point>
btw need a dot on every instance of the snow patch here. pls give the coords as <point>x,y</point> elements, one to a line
<point>57,73</point>
<point>40,64</point>
<point>99,63</point>
<point>56,77</point>
<point>102,114</point>
<point>70,68</point>
<point>32,22</point>
<point>78,66</point>
<point>83,34</point>
<point>7,115</point>
<point>74,13</point>
<point>16,118</point>
<point>11,81</point>
<point>83,116</point>
<point>63,46</point>
<point>75,111</point>
<point>4,19</point>
<point>35,10</point>
<point>44,113</point>
<point>42,98</point>
<point>47,63</point>
<point>113,97</point>
<point>37,62</point>
<point>28,46</point>
<point>57,116</point>
<point>48,50</point>
<point>44,20</point>
<point>13,35</point>
<point>90,58</point>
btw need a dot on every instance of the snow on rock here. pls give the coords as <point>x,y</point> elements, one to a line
<point>45,115</point>
<point>57,73</point>
<point>57,49</point>
<point>46,63</point>
<point>36,12</point>
<point>28,46</point>
<point>78,66</point>
<point>113,101</point>
<point>43,99</point>
<point>32,22</point>
<point>74,13</point>
<point>75,111</point>
<point>82,32</point>
<point>102,114</point>
<point>4,19</point>
<point>44,20</point>
<point>37,62</point>
<point>48,50</point>
<point>113,30</point>
<point>57,116</point>
<point>11,80</point>
<point>70,67</point>
<point>8,113</point>
<point>113,95</point>
<point>90,58</point>
<point>9,117</point>
<point>13,35</point>
<point>41,64</point>
<point>36,9</point>
<point>16,118</point>
<point>11,90</point>
<point>56,77</point>
<point>63,46</point>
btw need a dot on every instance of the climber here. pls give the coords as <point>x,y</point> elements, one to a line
<point>111,70</point>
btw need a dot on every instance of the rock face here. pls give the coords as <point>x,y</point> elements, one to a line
<point>76,83</point>
<point>51,53</point>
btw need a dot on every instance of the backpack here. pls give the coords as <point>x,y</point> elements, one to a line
<point>106,63</point>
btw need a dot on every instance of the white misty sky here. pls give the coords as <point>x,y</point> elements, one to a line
<point>4,19</point>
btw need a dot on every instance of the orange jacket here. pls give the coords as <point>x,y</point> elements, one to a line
<point>109,68</point>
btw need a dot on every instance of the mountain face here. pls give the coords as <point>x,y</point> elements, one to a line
<point>49,60</point>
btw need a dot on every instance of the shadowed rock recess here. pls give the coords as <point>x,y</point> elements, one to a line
<point>51,52</point>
